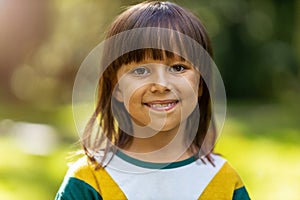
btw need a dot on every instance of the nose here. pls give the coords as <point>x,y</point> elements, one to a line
<point>160,81</point>
<point>159,88</point>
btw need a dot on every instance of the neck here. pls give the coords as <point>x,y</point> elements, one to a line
<point>162,146</point>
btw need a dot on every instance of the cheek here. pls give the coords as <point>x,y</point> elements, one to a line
<point>190,90</point>
<point>195,85</point>
<point>138,112</point>
<point>190,85</point>
<point>133,99</point>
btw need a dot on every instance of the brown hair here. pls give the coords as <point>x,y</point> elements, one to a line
<point>109,111</point>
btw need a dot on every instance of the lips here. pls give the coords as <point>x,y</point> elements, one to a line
<point>162,105</point>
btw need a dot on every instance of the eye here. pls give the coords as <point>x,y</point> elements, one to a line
<point>177,68</point>
<point>140,71</point>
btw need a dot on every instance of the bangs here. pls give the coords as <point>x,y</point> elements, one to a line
<point>152,43</point>
<point>158,30</point>
<point>141,55</point>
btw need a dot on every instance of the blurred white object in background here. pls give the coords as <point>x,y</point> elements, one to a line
<point>37,139</point>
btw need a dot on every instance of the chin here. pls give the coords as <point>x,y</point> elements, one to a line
<point>165,128</point>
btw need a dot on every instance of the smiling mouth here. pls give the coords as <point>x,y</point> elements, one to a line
<point>162,105</point>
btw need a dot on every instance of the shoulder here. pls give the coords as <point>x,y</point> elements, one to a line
<point>81,169</point>
<point>91,183</point>
<point>227,182</point>
<point>79,182</point>
<point>226,172</point>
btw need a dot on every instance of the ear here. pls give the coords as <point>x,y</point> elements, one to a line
<point>200,89</point>
<point>118,94</point>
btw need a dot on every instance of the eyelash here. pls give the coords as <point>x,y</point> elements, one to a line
<point>182,68</point>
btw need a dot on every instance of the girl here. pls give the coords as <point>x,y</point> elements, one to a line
<point>155,129</point>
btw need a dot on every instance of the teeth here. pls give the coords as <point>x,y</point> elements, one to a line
<point>161,105</point>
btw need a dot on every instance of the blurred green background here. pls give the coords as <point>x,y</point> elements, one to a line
<point>42,44</point>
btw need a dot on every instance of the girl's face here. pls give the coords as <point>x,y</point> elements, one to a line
<point>158,94</point>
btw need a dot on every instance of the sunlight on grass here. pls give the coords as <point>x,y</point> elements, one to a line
<point>25,176</point>
<point>266,170</point>
<point>269,166</point>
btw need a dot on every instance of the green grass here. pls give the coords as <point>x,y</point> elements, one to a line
<point>25,176</point>
<point>260,141</point>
